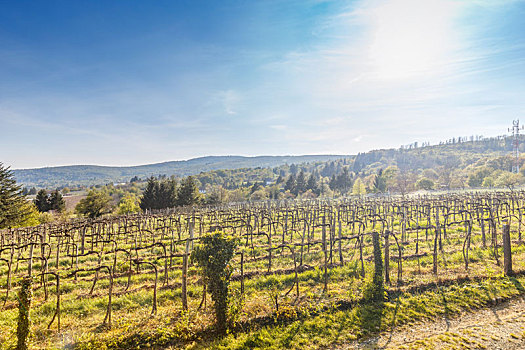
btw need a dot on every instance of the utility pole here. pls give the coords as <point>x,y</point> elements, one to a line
<point>515,144</point>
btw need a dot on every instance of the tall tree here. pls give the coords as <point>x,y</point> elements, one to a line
<point>311,184</point>
<point>159,194</point>
<point>344,181</point>
<point>149,196</point>
<point>300,183</point>
<point>290,183</point>
<point>167,194</point>
<point>13,205</point>
<point>56,202</point>
<point>380,182</point>
<point>188,193</point>
<point>42,201</point>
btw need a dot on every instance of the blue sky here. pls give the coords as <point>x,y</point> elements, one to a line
<point>135,82</point>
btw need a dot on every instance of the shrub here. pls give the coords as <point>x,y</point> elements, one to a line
<point>213,256</point>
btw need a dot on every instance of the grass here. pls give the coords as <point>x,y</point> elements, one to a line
<point>321,327</point>
<point>314,319</point>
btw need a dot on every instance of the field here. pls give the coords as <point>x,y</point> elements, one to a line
<point>302,272</point>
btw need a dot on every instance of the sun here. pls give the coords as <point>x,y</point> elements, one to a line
<point>411,38</point>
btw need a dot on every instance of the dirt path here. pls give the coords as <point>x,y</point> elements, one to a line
<point>498,327</point>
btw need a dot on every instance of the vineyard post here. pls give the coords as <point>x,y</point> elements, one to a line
<point>30,262</point>
<point>242,273</point>
<point>83,239</point>
<point>519,223</point>
<point>482,224</point>
<point>340,238</point>
<point>387,256</point>
<point>185,270</point>
<point>325,289</point>
<point>507,254</point>
<point>436,235</point>
<point>24,322</point>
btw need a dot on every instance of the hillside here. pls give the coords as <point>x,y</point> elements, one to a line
<point>460,155</point>
<point>92,174</point>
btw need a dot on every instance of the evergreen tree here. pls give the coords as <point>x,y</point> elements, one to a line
<point>333,183</point>
<point>149,196</point>
<point>42,201</point>
<point>167,194</point>
<point>56,202</point>
<point>311,184</point>
<point>344,181</point>
<point>13,205</point>
<point>300,183</point>
<point>380,182</point>
<point>290,183</point>
<point>188,193</point>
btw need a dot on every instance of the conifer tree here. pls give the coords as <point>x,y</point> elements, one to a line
<point>300,183</point>
<point>13,205</point>
<point>311,184</point>
<point>149,196</point>
<point>42,201</point>
<point>290,183</point>
<point>188,193</point>
<point>56,202</point>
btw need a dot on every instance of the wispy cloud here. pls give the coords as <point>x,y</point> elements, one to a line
<point>286,78</point>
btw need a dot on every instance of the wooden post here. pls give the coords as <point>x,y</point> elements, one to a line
<point>242,273</point>
<point>434,255</point>
<point>184,286</point>
<point>30,262</point>
<point>387,257</point>
<point>507,257</point>
<point>325,289</point>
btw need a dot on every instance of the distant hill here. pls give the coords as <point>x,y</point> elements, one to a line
<point>74,175</point>
<point>460,155</point>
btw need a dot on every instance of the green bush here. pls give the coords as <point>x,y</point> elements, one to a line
<point>213,256</point>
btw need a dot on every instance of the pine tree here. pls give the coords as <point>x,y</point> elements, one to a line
<point>300,183</point>
<point>290,183</point>
<point>42,201</point>
<point>149,196</point>
<point>333,183</point>
<point>56,202</point>
<point>380,182</point>
<point>344,181</point>
<point>311,184</point>
<point>188,193</point>
<point>167,194</point>
<point>13,205</point>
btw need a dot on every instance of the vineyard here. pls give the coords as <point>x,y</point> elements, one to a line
<point>92,277</point>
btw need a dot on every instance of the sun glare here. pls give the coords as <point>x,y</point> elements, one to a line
<point>411,38</point>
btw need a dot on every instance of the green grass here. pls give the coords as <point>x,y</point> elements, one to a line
<point>316,328</point>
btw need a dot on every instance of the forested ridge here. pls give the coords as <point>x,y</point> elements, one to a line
<point>456,163</point>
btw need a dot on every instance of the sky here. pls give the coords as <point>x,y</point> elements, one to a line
<point>139,82</point>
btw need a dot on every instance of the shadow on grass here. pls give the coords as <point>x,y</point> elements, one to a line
<point>393,323</point>
<point>446,308</point>
<point>518,286</point>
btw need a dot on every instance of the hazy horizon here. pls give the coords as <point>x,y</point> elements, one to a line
<point>124,84</point>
